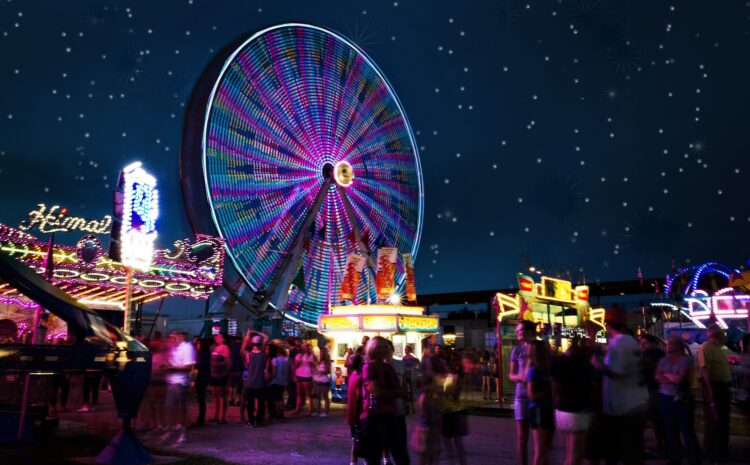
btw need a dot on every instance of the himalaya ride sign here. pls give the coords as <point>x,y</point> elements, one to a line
<point>136,211</point>
<point>56,219</point>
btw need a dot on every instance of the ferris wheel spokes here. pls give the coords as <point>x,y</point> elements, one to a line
<point>278,292</point>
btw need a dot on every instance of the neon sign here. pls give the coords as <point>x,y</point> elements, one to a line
<point>55,220</point>
<point>137,210</point>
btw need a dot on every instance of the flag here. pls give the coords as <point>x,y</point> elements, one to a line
<point>411,288</point>
<point>355,265</point>
<point>386,274</point>
<point>49,264</point>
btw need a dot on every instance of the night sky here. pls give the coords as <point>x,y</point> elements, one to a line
<point>586,137</point>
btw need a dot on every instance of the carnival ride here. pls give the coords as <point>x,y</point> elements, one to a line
<point>192,269</point>
<point>95,347</point>
<point>297,151</point>
<point>710,292</point>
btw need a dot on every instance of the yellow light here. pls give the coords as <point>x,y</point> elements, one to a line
<point>395,299</point>
<point>338,323</point>
<point>379,323</point>
<point>375,309</point>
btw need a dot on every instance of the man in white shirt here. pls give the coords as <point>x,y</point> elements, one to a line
<point>624,396</point>
<point>181,361</point>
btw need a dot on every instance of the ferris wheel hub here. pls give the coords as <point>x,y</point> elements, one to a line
<point>343,173</point>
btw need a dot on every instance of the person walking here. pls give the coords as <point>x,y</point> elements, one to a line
<point>91,385</point>
<point>220,367</point>
<point>181,361</point>
<point>454,422</point>
<point>255,360</point>
<point>677,404</point>
<point>378,418</point>
<point>571,391</point>
<point>651,354</point>
<point>279,381</point>
<point>486,372</point>
<point>304,365</point>
<point>411,364</point>
<point>322,379</point>
<point>624,394</point>
<point>716,378</point>
<point>425,438</point>
<point>539,390</point>
<point>519,357</point>
<point>202,378</point>
<point>354,407</point>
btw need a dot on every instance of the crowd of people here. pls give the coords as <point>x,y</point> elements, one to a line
<point>262,378</point>
<point>601,400</point>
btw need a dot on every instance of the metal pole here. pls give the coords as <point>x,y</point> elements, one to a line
<point>49,263</point>
<point>498,333</point>
<point>128,296</point>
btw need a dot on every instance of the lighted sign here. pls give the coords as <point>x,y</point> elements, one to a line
<point>375,309</point>
<point>380,323</point>
<point>138,214</point>
<point>418,323</point>
<point>557,288</point>
<point>339,323</point>
<point>55,219</point>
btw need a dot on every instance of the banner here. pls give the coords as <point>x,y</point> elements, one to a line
<point>355,265</point>
<point>386,276</point>
<point>411,288</point>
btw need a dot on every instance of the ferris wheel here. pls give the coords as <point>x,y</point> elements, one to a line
<point>298,152</point>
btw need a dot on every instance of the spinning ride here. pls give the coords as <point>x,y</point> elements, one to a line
<point>298,152</point>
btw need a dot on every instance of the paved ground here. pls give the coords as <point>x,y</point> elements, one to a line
<point>313,440</point>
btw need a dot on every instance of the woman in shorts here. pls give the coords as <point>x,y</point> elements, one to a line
<point>220,364</point>
<point>322,378</point>
<point>572,378</point>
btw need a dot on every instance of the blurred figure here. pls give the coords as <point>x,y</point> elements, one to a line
<point>58,384</point>
<point>519,358</point>
<point>322,379</point>
<point>454,423</point>
<point>180,363</point>
<point>152,408</point>
<point>91,385</point>
<point>279,381</point>
<point>220,368</point>
<point>539,390</point>
<point>354,407</point>
<point>651,354</point>
<point>411,363</point>
<point>716,378</point>
<point>202,378</point>
<point>486,372</point>
<point>425,439</point>
<point>571,388</point>
<point>744,370</point>
<point>624,394</point>
<point>235,375</point>
<point>294,350</point>
<point>676,403</point>
<point>380,390</point>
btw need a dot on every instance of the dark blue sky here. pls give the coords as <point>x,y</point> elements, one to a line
<point>581,135</point>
